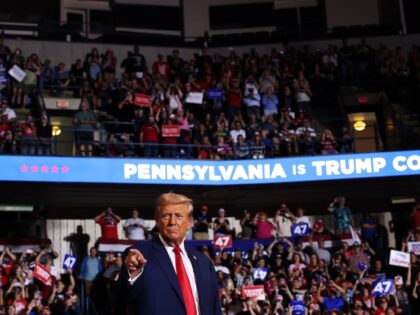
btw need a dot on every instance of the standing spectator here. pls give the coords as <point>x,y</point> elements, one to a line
<point>62,78</point>
<point>140,65</point>
<point>91,267</point>
<point>233,98</point>
<point>345,143</point>
<point>252,98</point>
<point>263,227</point>
<point>283,220</point>
<point>28,140</point>
<point>202,224</point>
<point>160,68</point>
<point>135,227</point>
<point>221,224</point>
<point>358,257</point>
<point>109,223</point>
<point>270,102</point>
<point>342,214</point>
<point>85,122</point>
<point>44,133</point>
<point>149,137</point>
<point>415,216</point>
<point>8,112</point>
<point>303,93</point>
<point>247,225</point>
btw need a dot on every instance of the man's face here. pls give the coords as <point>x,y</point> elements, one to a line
<point>173,222</point>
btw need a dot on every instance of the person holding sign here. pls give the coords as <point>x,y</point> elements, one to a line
<point>163,276</point>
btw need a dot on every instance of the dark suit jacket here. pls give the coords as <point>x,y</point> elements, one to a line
<point>157,291</point>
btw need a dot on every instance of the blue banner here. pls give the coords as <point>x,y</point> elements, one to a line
<point>203,172</point>
<point>214,94</point>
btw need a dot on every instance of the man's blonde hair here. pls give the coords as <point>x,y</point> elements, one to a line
<point>171,198</point>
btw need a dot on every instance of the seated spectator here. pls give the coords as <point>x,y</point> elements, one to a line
<point>303,93</point>
<point>241,149</point>
<point>234,133</point>
<point>257,149</point>
<point>328,143</point>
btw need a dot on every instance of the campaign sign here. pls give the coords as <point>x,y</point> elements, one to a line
<point>42,274</point>
<point>254,292</point>
<point>171,130</point>
<point>62,104</point>
<point>414,247</point>
<point>142,100</point>
<point>260,273</point>
<point>300,229</point>
<point>17,73</point>
<point>194,98</point>
<point>69,262</point>
<point>222,241</point>
<point>382,287</point>
<point>400,259</point>
<point>214,94</point>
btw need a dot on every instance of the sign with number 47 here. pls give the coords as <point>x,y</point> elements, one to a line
<point>222,241</point>
<point>69,262</point>
<point>301,229</point>
<point>383,287</point>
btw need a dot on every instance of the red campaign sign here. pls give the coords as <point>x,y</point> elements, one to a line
<point>142,100</point>
<point>253,292</point>
<point>62,104</point>
<point>222,241</point>
<point>171,131</point>
<point>42,274</point>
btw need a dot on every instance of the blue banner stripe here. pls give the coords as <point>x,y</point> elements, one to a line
<point>199,172</point>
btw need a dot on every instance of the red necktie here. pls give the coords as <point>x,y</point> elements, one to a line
<point>184,283</point>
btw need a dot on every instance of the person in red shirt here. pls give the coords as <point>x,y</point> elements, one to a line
<point>170,148</point>
<point>415,217</point>
<point>234,98</point>
<point>160,68</point>
<point>108,221</point>
<point>149,135</point>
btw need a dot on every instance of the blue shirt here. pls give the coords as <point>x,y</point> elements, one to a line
<point>270,103</point>
<point>331,303</point>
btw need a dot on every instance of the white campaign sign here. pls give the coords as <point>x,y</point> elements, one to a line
<point>194,98</point>
<point>17,73</point>
<point>414,247</point>
<point>397,258</point>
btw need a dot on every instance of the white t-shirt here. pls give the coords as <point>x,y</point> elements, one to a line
<point>135,228</point>
<point>284,226</point>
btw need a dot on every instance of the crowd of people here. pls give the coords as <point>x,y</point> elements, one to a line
<point>312,270</point>
<point>249,106</point>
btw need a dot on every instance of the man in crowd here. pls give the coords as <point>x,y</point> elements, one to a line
<point>108,221</point>
<point>135,227</point>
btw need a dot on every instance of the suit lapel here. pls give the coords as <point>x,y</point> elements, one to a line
<point>197,273</point>
<point>166,265</point>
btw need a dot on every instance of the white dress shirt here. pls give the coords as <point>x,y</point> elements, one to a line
<point>187,264</point>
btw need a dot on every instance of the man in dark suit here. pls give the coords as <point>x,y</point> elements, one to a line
<point>162,277</point>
